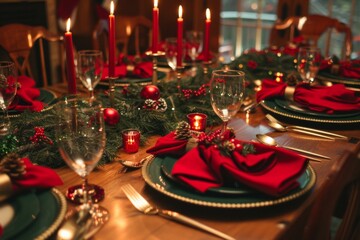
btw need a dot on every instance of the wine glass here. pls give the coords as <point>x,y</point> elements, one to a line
<point>8,88</point>
<point>90,67</point>
<point>308,63</point>
<point>227,92</point>
<point>194,40</point>
<point>81,139</point>
<point>171,52</point>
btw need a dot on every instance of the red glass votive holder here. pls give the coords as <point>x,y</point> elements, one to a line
<point>197,121</point>
<point>131,140</point>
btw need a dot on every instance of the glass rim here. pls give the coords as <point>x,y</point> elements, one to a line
<point>229,72</point>
<point>90,52</point>
<point>124,131</point>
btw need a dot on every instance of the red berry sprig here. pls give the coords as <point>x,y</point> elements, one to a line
<point>40,136</point>
<point>189,93</point>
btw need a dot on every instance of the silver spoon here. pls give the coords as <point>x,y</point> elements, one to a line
<point>265,139</point>
<point>135,165</point>
<point>278,127</point>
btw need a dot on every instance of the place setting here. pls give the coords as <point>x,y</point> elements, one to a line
<point>215,169</point>
<point>307,101</point>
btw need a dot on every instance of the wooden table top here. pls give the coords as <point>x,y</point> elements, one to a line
<point>256,223</point>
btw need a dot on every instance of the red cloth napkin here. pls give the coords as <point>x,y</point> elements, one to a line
<point>143,70</point>
<point>26,96</point>
<point>271,170</point>
<point>333,99</point>
<point>168,145</point>
<point>120,71</point>
<point>36,177</point>
<point>350,69</point>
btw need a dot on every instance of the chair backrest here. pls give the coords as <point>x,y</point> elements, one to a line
<point>312,27</point>
<point>18,40</point>
<point>340,197</point>
<point>132,35</point>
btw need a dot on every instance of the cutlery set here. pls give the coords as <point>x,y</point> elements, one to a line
<point>140,203</point>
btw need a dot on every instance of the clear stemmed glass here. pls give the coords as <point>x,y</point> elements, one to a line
<point>81,139</point>
<point>308,63</point>
<point>171,52</point>
<point>194,41</point>
<point>89,68</point>
<point>227,92</point>
<point>8,88</point>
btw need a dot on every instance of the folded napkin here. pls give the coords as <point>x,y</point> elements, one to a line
<point>120,71</point>
<point>270,170</point>
<point>333,99</point>
<point>169,145</point>
<point>26,96</point>
<point>35,177</point>
<point>143,70</point>
<point>349,69</point>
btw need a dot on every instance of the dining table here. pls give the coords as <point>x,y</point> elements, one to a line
<point>244,221</point>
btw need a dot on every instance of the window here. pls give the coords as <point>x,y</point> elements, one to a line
<point>246,23</point>
<point>347,11</point>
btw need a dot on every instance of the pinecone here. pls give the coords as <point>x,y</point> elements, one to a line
<point>292,79</point>
<point>183,131</point>
<point>12,165</point>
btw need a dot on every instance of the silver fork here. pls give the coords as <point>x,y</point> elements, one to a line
<point>144,206</point>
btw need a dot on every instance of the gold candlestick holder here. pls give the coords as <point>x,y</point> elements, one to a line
<point>206,66</point>
<point>112,90</point>
<point>179,72</point>
<point>154,60</point>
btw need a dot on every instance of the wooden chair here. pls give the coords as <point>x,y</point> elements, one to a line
<point>341,190</point>
<point>312,27</point>
<point>19,41</point>
<point>132,35</point>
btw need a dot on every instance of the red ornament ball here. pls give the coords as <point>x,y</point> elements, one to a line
<point>111,116</point>
<point>150,92</point>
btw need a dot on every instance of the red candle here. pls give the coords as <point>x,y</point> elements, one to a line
<point>70,60</point>
<point>111,41</point>
<point>179,38</point>
<point>155,27</point>
<point>207,35</point>
<point>197,121</point>
<point>131,140</point>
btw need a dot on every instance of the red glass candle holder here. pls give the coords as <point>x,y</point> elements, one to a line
<point>197,121</point>
<point>131,140</point>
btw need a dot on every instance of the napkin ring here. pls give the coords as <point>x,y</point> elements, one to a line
<point>289,93</point>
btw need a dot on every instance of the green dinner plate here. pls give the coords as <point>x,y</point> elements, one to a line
<point>126,81</point>
<point>154,177</point>
<point>51,213</point>
<point>286,115</point>
<point>292,106</point>
<point>326,76</point>
<point>26,207</point>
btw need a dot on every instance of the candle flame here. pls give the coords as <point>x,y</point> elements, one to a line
<point>208,14</point>
<point>112,7</point>
<point>68,23</point>
<point>156,3</point>
<point>180,11</point>
<point>128,30</point>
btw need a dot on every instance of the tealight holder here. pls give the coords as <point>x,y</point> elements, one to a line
<point>154,56</point>
<point>131,140</point>
<point>197,121</point>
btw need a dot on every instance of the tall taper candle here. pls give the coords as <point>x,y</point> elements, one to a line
<point>207,36</point>
<point>155,27</point>
<point>111,41</point>
<point>71,77</point>
<point>179,38</point>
